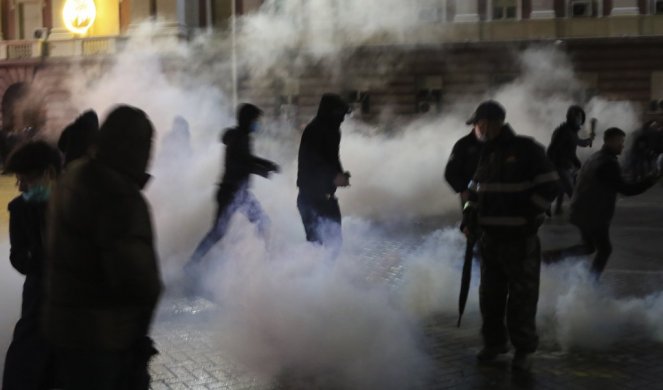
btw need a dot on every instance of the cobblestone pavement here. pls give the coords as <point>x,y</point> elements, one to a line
<point>189,359</point>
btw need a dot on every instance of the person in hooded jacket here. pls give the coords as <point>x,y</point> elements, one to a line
<point>233,194</point>
<point>562,152</point>
<point>102,276</point>
<point>79,136</point>
<point>320,173</point>
<point>30,363</point>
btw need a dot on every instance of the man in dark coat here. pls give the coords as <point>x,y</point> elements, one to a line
<point>103,280</point>
<point>463,162</point>
<point>593,203</point>
<point>645,148</point>
<point>30,363</point>
<point>562,152</point>
<point>234,194</point>
<point>511,189</point>
<point>79,136</point>
<point>320,172</point>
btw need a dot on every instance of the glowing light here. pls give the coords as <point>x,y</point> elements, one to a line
<point>79,15</point>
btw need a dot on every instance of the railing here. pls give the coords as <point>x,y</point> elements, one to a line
<point>17,50</point>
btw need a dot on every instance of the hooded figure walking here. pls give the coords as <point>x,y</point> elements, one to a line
<point>234,194</point>
<point>102,274</point>
<point>30,363</point>
<point>562,152</point>
<point>320,173</point>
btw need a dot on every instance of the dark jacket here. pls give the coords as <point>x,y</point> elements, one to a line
<point>26,253</point>
<point>319,162</point>
<point>513,185</point>
<point>103,280</point>
<point>463,162</point>
<point>563,144</point>
<point>240,161</point>
<point>78,136</point>
<point>599,182</point>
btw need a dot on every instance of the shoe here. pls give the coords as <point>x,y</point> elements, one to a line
<point>522,361</point>
<point>491,353</point>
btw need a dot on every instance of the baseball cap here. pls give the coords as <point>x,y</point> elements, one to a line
<point>490,110</point>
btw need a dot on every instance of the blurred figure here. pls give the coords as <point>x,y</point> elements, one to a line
<point>562,152</point>
<point>513,186</point>
<point>320,173</point>
<point>463,162</point>
<point>30,362</point>
<point>102,276</point>
<point>646,147</point>
<point>593,203</point>
<point>176,145</point>
<point>79,136</point>
<point>234,194</point>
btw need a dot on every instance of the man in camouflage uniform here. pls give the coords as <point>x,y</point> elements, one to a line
<point>513,186</point>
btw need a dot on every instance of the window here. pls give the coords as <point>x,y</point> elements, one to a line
<point>504,9</point>
<point>29,18</point>
<point>584,8</point>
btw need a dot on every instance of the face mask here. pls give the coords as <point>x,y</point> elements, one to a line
<point>38,193</point>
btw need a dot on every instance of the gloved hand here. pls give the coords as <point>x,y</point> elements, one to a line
<point>470,224</point>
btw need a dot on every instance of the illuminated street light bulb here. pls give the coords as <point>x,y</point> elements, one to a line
<point>79,15</point>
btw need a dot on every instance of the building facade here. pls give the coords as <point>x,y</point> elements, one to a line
<point>615,46</point>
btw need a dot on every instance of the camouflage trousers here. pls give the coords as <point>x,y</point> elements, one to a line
<point>509,291</point>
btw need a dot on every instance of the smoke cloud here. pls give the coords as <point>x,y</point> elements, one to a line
<point>287,309</point>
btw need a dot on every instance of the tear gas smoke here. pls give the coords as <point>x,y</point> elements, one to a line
<point>285,308</point>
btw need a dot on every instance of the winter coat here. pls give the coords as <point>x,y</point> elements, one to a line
<point>318,160</point>
<point>463,162</point>
<point>26,253</point>
<point>599,182</point>
<point>103,280</point>
<point>513,185</point>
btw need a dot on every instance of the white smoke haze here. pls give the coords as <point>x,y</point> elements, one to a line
<point>285,306</point>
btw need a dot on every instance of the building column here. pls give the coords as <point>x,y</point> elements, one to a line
<point>543,9</point>
<point>467,11</point>
<point>625,7</point>
<point>58,31</point>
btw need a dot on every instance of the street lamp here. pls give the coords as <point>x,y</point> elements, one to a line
<point>79,15</point>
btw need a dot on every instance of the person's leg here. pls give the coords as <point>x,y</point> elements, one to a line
<point>309,217</point>
<point>601,238</point>
<point>492,294</point>
<point>524,265</point>
<point>253,211</point>
<point>226,208</point>
<point>329,226</point>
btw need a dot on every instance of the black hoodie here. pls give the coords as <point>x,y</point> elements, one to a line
<point>239,160</point>
<point>319,161</point>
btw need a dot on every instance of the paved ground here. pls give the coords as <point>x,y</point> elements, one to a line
<point>189,359</point>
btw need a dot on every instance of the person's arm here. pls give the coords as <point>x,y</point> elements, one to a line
<point>610,175</point>
<point>544,178</point>
<point>583,143</point>
<point>453,172</point>
<point>19,241</point>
